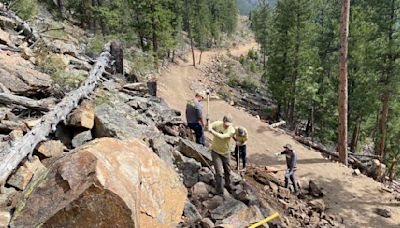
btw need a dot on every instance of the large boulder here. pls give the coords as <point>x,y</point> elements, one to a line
<point>196,151</point>
<point>107,183</point>
<point>83,116</point>
<point>20,77</point>
<point>117,120</point>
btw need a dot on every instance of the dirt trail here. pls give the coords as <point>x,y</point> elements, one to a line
<point>352,197</point>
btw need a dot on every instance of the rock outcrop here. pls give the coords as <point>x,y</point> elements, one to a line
<point>20,77</point>
<point>107,182</point>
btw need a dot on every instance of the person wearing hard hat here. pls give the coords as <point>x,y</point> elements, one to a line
<point>291,162</point>
<point>194,117</point>
<point>241,136</point>
<point>222,131</point>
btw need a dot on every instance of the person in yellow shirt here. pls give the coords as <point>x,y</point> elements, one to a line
<point>222,131</point>
<point>241,136</point>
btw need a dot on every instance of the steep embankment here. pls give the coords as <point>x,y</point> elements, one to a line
<point>354,198</point>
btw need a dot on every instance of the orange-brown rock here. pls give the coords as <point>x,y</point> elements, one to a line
<point>51,148</point>
<point>21,178</point>
<point>83,116</point>
<point>106,183</point>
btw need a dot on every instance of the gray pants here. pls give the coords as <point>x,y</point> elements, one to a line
<point>290,175</point>
<point>221,164</point>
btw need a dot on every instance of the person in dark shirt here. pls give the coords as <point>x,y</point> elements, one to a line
<point>291,162</point>
<point>194,117</point>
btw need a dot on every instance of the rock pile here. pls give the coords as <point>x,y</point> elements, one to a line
<point>308,209</point>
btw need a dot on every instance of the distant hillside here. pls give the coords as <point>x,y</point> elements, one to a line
<point>245,6</point>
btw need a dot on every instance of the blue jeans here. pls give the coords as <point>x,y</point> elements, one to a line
<point>198,131</point>
<point>242,154</point>
<point>290,175</point>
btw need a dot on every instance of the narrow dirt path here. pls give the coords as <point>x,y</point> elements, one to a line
<point>353,197</point>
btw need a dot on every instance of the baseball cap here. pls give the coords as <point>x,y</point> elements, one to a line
<point>227,120</point>
<point>201,94</point>
<point>288,146</point>
<point>240,131</point>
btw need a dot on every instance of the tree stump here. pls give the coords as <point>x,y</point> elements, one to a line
<point>118,55</point>
<point>152,86</point>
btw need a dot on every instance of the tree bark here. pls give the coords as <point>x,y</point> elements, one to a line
<point>355,136</point>
<point>41,105</point>
<point>190,31</point>
<point>17,150</point>
<point>118,54</point>
<point>392,169</point>
<point>343,100</point>
<point>292,103</point>
<point>201,53</point>
<point>389,73</point>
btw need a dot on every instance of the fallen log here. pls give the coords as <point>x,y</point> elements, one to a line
<point>14,153</point>
<point>274,125</point>
<point>41,105</point>
<point>351,157</point>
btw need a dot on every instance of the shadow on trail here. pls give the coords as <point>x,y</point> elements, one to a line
<point>340,201</point>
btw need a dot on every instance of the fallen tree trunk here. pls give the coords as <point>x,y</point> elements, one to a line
<point>351,157</point>
<point>41,105</point>
<point>14,153</point>
<point>274,125</point>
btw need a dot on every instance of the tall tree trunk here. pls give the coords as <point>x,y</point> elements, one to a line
<point>104,30</point>
<point>201,53</point>
<point>292,102</point>
<point>344,34</point>
<point>154,38</point>
<point>355,137</point>
<point>389,73</point>
<point>383,123</point>
<point>392,169</point>
<point>190,31</point>
<point>264,59</point>
<point>93,19</point>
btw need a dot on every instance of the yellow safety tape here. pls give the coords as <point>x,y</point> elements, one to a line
<point>273,216</point>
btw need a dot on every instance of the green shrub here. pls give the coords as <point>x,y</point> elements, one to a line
<point>142,63</point>
<point>252,54</point>
<point>233,81</point>
<point>26,9</point>
<point>249,84</point>
<point>242,59</point>
<point>69,80</point>
<point>95,45</point>
<point>253,67</point>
